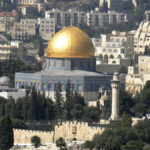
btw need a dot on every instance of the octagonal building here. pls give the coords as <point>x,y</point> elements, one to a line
<point>70,55</point>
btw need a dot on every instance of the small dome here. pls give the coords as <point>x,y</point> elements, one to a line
<point>4,80</point>
<point>103,88</point>
<point>104,97</point>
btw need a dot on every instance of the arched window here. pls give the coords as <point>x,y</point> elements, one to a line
<point>63,63</point>
<point>55,86</point>
<point>109,51</point>
<point>115,51</point>
<point>86,87</point>
<point>17,85</point>
<point>123,40</point>
<point>108,45</point>
<point>44,86</point>
<point>80,87</point>
<point>112,40</point>
<point>111,56</point>
<point>106,59</point>
<point>81,64</point>
<point>89,64</point>
<point>35,86</point>
<point>113,62</point>
<point>114,45</point>
<point>50,87</point>
<point>119,45</point>
<point>91,87</point>
<point>104,50</point>
<point>54,63</point>
<point>74,87</point>
<point>95,87</point>
<point>62,87</point>
<point>101,56</point>
<point>73,64</point>
<point>119,56</point>
<point>49,63</point>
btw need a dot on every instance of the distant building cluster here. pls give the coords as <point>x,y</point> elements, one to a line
<point>93,18</point>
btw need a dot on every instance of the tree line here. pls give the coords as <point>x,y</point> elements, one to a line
<point>123,136</point>
<point>9,67</point>
<point>37,107</point>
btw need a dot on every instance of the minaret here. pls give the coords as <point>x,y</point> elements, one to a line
<point>115,97</point>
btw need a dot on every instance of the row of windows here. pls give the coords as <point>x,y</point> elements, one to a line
<point>62,87</point>
<point>113,45</point>
<point>110,51</point>
<point>117,40</point>
<point>138,46</point>
<point>73,64</point>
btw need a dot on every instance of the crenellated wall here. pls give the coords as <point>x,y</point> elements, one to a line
<point>78,130</point>
<point>24,136</point>
<point>81,131</point>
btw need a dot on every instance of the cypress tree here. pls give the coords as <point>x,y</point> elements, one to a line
<point>106,6</point>
<point>13,109</point>
<point>59,102</point>
<point>6,133</point>
<point>32,114</point>
<point>47,113</point>
<point>41,49</point>
<point>2,110</point>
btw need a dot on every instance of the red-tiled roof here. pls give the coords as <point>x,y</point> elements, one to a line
<point>8,14</point>
<point>8,47</point>
<point>26,5</point>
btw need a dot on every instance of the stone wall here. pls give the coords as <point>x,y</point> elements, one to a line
<point>80,131</point>
<point>24,136</point>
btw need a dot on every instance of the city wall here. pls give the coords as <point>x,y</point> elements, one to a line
<point>80,131</point>
<point>24,136</point>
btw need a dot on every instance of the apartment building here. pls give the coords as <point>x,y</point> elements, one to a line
<point>112,4</point>
<point>93,18</point>
<point>7,20</point>
<point>39,4</point>
<point>23,29</point>
<point>62,18</point>
<point>26,1</point>
<point>46,26</point>
<point>97,19</point>
<point>14,50</point>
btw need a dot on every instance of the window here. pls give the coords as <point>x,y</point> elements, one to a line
<point>91,87</point>
<point>54,63</point>
<point>80,87</point>
<point>114,45</point>
<point>63,63</point>
<point>62,87</point>
<point>108,45</point>
<point>115,51</point>
<point>104,50</point>
<point>89,64</point>
<point>109,51</point>
<point>141,39</point>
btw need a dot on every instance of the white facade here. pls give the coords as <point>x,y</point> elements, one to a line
<point>98,19</point>
<point>64,17</point>
<point>92,18</point>
<point>14,49</point>
<point>13,94</point>
<point>46,26</point>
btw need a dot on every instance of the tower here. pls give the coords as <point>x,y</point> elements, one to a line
<point>147,13</point>
<point>115,84</point>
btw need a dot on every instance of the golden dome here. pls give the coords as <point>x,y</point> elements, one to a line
<point>70,42</point>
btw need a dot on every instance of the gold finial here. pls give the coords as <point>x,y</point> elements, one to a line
<point>71,21</point>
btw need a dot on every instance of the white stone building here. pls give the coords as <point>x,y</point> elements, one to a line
<point>46,27</point>
<point>93,18</point>
<point>98,19</point>
<point>7,91</point>
<point>138,75</point>
<point>23,29</point>
<point>63,17</point>
<point>14,50</point>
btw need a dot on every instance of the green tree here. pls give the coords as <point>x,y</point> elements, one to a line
<point>6,133</point>
<point>2,110</point>
<point>59,104</point>
<point>36,141</point>
<point>126,103</point>
<point>18,124</point>
<point>33,113</point>
<point>13,108</point>
<point>89,144</point>
<point>41,49</point>
<point>61,143</point>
